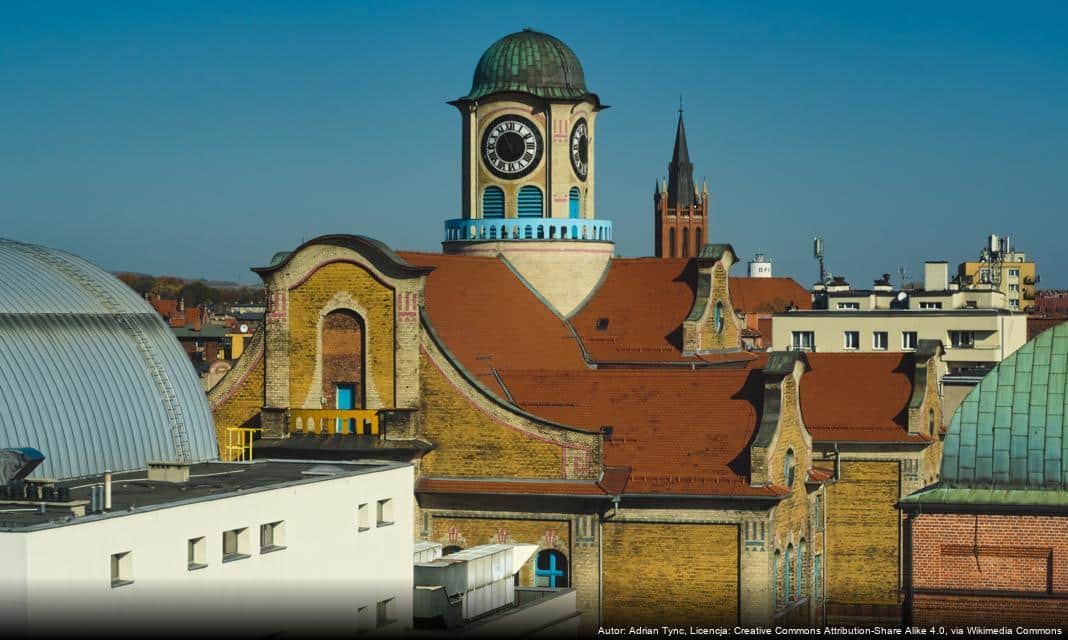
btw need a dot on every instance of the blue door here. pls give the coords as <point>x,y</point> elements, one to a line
<point>346,399</point>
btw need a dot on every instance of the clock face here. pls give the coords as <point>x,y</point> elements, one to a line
<point>580,142</point>
<point>511,147</point>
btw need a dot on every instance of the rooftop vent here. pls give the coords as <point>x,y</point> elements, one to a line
<point>176,472</point>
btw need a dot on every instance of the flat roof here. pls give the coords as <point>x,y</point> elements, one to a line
<point>132,492</point>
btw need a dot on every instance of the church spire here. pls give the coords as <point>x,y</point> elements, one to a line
<point>680,172</point>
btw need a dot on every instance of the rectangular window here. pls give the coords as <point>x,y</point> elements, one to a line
<point>387,612</point>
<point>961,339</point>
<point>363,517</point>
<point>930,305</point>
<point>272,536</point>
<point>908,340</point>
<point>803,340</point>
<point>984,276</point>
<point>1014,287</point>
<point>384,514</point>
<point>1014,303</point>
<point>1014,273</point>
<point>852,340</point>
<point>878,340</point>
<point>121,569</point>
<point>235,544</point>
<point>197,553</point>
<point>854,306</point>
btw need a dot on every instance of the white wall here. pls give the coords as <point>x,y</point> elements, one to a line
<point>326,571</point>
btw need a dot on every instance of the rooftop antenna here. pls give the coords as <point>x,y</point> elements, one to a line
<point>902,274</point>
<point>817,252</point>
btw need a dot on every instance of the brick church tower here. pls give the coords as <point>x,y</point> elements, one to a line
<point>681,214</point>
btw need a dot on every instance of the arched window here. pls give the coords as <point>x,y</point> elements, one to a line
<point>775,570</point>
<point>800,569</point>
<point>493,203</point>
<point>550,569</point>
<point>788,465</point>
<point>717,317</point>
<point>573,203</point>
<point>343,366</point>
<point>931,421</point>
<point>697,241</point>
<point>530,202</point>
<point>451,549</point>
<point>817,568</point>
<point>671,243</point>
<point>574,232</point>
<point>493,233</point>
<point>786,566</point>
<point>685,243</point>
<point>528,232</point>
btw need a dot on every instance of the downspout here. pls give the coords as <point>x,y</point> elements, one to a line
<point>826,560</point>
<point>600,560</point>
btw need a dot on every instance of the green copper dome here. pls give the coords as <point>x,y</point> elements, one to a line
<point>529,62</point>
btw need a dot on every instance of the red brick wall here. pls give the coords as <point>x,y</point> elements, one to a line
<point>342,355</point>
<point>962,552</point>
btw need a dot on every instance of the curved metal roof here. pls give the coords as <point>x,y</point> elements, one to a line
<point>89,373</point>
<point>1010,432</point>
<point>529,62</point>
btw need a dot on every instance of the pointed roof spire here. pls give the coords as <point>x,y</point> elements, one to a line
<point>680,171</point>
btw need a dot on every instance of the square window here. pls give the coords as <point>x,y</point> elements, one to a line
<point>803,340</point>
<point>272,536</point>
<point>852,340</point>
<point>961,339</point>
<point>197,553</point>
<point>385,512</point>
<point>1014,273</point>
<point>363,517</point>
<point>235,544</point>
<point>387,612</point>
<point>878,340</point>
<point>121,569</point>
<point>908,340</point>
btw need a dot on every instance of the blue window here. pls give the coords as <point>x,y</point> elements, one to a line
<point>530,202</point>
<point>788,467</point>
<point>550,569</point>
<point>816,577</point>
<point>775,578</point>
<point>573,202</point>
<point>493,203</point>
<point>800,569</point>
<point>717,317</point>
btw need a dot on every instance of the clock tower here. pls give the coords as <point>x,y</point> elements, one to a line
<point>528,133</point>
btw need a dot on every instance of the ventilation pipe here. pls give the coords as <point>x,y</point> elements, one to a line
<point>107,490</point>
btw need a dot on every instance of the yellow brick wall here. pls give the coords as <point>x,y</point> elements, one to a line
<point>658,574</point>
<point>470,532</point>
<point>307,300</point>
<point>237,402</point>
<point>730,337</point>
<point>862,534</point>
<point>469,443</point>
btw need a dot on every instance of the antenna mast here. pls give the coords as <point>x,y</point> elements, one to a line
<point>817,252</point>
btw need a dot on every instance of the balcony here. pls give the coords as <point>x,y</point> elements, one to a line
<point>346,422</point>
<point>527,229</point>
<point>1031,279</point>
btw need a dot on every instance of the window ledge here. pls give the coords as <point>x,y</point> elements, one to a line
<point>236,556</point>
<point>120,583</point>
<point>385,523</point>
<point>272,548</point>
<point>193,566</point>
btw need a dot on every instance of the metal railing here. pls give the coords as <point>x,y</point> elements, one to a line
<point>239,443</point>
<point>360,422</point>
<point>589,229</point>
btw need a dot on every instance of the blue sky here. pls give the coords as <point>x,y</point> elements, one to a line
<point>198,139</point>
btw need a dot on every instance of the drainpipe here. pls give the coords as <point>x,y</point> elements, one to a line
<point>837,463</point>
<point>107,490</point>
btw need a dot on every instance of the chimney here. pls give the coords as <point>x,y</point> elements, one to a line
<point>936,275</point>
<point>176,472</point>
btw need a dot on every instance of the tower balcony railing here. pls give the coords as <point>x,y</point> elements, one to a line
<point>527,229</point>
<point>333,422</point>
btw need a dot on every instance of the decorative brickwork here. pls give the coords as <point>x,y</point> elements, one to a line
<point>670,573</point>
<point>469,532</point>
<point>862,536</point>
<point>237,399</point>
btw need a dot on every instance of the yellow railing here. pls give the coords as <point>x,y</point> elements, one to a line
<point>334,421</point>
<point>239,443</point>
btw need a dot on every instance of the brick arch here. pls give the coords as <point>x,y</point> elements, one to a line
<point>341,337</point>
<point>369,395</point>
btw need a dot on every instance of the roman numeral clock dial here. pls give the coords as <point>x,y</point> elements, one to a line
<point>580,142</point>
<point>511,147</point>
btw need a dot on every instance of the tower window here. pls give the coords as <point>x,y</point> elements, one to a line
<point>493,203</point>
<point>602,324</point>
<point>671,243</point>
<point>685,243</point>
<point>573,203</point>
<point>530,202</point>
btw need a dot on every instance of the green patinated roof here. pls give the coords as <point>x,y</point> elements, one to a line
<point>529,62</point>
<point>1008,441</point>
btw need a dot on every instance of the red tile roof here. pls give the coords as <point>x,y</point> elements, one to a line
<point>860,397</point>
<point>679,432</point>
<point>767,295</point>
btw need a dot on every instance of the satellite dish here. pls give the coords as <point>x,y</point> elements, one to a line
<point>244,328</point>
<point>901,296</point>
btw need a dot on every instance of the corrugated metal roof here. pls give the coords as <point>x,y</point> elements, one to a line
<point>1010,431</point>
<point>89,373</point>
